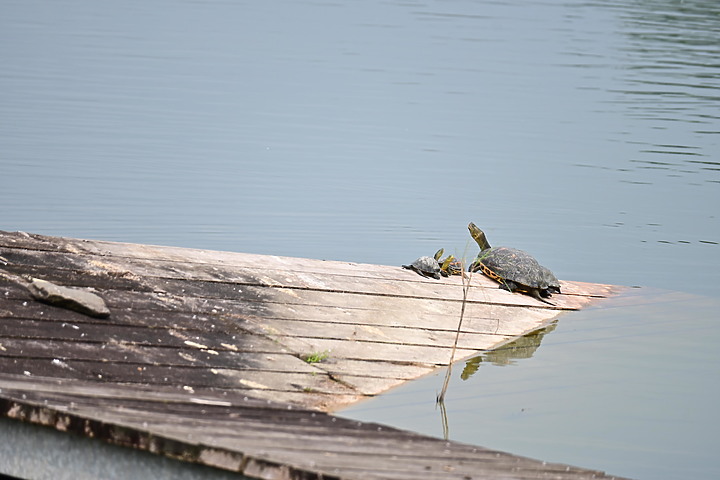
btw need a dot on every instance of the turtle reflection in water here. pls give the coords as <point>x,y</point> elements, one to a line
<point>515,270</point>
<point>519,349</point>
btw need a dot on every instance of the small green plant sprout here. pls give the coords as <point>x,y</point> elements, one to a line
<point>316,357</point>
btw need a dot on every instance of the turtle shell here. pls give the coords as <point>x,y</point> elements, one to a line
<point>450,266</point>
<point>506,264</point>
<point>551,280</point>
<point>425,266</point>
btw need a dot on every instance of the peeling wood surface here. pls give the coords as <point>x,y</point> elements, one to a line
<point>236,325</point>
<point>242,321</point>
<point>259,438</point>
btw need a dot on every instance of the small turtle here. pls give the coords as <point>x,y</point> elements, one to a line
<point>426,266</point>
<point>515,270</point>
<point>450,266</point>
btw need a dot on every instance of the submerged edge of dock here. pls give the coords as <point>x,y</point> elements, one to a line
<point>232,359</point>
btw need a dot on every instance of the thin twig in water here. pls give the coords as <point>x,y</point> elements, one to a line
<point>445,424</point>
<point>466,288</point>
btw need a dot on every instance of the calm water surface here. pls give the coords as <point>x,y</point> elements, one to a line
<point>630,390</point>
<point>584,132</point>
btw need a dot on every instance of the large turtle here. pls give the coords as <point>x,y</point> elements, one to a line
<point>553,284</point>
<point>515,270</point>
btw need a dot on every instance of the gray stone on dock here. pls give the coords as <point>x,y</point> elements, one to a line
<point>75,299</point>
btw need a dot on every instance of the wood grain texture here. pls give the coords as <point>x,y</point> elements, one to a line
<point>204,354</point>
<point>177,310</point>
<point>260,438</point>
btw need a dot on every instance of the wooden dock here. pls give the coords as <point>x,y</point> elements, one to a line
<point>204,355</point>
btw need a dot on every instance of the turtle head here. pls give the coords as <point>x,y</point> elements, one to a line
<point>479,236</point>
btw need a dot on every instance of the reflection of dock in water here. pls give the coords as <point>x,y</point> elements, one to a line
<point>229,359</point>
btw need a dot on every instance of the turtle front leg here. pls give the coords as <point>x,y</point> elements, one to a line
<point>535,293</point>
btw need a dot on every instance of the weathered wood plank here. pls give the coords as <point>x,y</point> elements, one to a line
<point>113,351</point>
<point>373,333</point>
<point>243,260</point>
<point>390,352</point>
<point>258,381</point>
<point>211,335</point>
<point>200,346</point>
<point>319,445</point>
<point>386,316</point>
<point>290,303</point>
<point>375,368</point>
<point>393,281</point>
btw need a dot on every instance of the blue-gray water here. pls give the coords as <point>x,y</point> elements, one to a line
<point>585,132</point>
